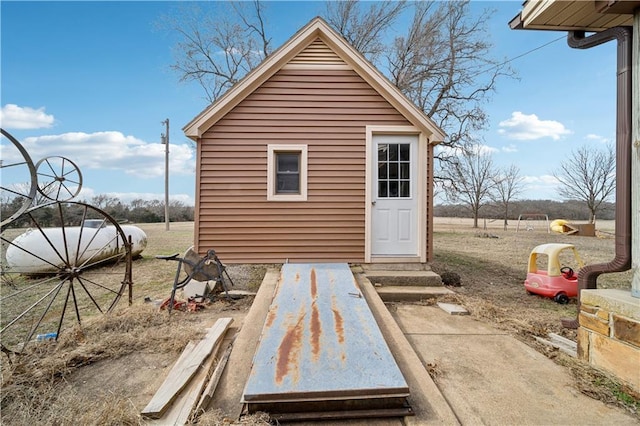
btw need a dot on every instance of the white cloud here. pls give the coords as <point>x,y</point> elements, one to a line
<point>541,180</point>
<point>543,187</point>
<point>476,149</point>
<point>484,149</point>
<point>597,138</point>
<point>529,127</point>
<point>510,148</point>
<point>447,150</point>
<point>15,117</point>
<point>112,151</point>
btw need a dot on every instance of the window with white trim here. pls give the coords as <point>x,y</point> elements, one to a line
<point>287,172</point>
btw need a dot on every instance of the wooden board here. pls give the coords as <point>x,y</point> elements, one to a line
<point>213,381</point>
<point>183,407</point>
<point>184,369</point>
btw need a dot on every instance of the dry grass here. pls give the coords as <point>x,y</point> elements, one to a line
<point>106,371</point>
<point>100,373</point>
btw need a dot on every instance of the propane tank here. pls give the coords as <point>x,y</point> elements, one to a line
<point>43,250</point>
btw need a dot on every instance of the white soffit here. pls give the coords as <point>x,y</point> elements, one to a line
<point>575,15</point>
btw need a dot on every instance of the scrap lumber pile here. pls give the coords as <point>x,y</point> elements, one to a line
<point>190,384</point>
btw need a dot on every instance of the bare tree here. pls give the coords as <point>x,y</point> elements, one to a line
<point>588,175</point>
<point>364,28</point>
<point>470,180</point>
<point>102,201</point>
<point>219,47</point>
<point>43,195</point>
<point>444,64</point>
<point>507,184</point>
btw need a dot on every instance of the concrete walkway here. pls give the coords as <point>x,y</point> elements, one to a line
<point>491,378</point>
<point>486,377</point>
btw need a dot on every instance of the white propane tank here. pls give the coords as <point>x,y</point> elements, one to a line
<point>36,251</point>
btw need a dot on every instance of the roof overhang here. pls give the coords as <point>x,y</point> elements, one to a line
<point>317,28</point>
<point>562,15</point>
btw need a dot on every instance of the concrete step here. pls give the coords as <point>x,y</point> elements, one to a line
<point>367,267</point>
<point>562,343</point>
<point>410,293</point>
<point>404,278</point>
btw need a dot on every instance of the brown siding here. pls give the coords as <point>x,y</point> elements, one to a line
<point>325,109</point>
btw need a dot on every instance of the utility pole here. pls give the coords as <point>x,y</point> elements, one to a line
<point>165,141</point>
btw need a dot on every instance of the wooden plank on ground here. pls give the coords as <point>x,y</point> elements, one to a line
<point>184,369</point>
<point>213,381</point>
<point>183,406</point>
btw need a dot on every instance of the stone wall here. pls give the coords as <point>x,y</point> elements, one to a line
<point>609,334</point>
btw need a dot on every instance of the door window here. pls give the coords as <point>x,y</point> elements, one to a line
<point>394,170</point>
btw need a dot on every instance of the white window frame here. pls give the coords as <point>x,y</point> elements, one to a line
<point>274,149</point>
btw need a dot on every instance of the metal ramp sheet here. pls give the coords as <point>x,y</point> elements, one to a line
<point>321,342</point>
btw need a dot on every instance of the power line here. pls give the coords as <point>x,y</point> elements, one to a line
<point>519,56</point>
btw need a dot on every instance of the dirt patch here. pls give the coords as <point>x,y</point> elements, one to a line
<point>135,377</point>
<point>108,371</point>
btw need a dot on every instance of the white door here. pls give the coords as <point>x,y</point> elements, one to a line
<point>394,210</point>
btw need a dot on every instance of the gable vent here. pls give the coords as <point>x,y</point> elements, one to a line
<point>317,55</point>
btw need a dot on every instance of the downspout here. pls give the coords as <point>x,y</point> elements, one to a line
<point>588,276</point>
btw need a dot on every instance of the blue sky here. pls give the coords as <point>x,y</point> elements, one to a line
<point>91,81</point>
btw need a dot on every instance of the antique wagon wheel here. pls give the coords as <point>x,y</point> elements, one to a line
<point>54,277</point>
<point>19,181</point>
<point>59,179</point>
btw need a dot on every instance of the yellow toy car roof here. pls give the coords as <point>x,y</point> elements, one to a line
<point>552,250</point>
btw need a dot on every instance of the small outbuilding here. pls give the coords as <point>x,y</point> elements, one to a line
<point>314,157</point>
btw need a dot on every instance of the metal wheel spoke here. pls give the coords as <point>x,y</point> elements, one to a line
<point>96,257</point>
<point>82,227</point>
<point>61,171</point>
<point>31,253</point>
<point>58,186</point>
<point>115,301</point>
<point>46,237</point>
<point>22,163</point>
<point>21,194</point>
<point>113,257</point>
<point>34,328</point>
<point>66,188</point>
<point>58,287</point>
<point>85,279</point>
<point>64,310</point>
<point>26,289</point>
<point>64,234</point>
<point>97,305</point>
<point>75,302</point>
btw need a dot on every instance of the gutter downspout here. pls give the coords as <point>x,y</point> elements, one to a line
<point>587,276</point>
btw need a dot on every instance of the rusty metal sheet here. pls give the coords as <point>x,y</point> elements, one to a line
<point>321,341</point>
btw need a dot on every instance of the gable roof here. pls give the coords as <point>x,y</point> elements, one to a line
<point>316,28</point>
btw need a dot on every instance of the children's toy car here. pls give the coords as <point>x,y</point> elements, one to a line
<point>547,278</point>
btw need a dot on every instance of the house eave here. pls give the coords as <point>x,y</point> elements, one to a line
<point>562,15</point>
